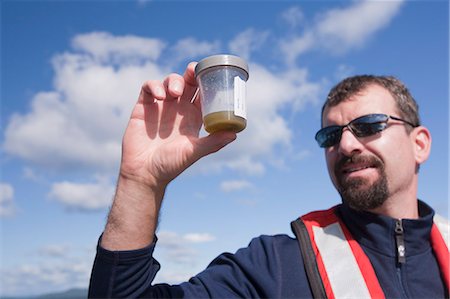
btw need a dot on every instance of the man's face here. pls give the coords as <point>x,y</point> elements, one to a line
<point>367,171</point>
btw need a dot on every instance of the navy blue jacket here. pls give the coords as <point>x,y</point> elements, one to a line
<point>272,266</point>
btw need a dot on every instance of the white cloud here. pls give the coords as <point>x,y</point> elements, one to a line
<point>168,239</point>
<point>198,237</point>
<point>79,124</point>
<point>54,250</point>
<point>188,48</point>
<point>177,249</point>
<point>234,185</point>
<point>106,47</point>
<point>343,29</point>
<point>45,276</point>
<point>173,276</point>
<point>50,268</point>
<point>30,174</point>
<point>51,135</point>
<point>268,92</point>
<point>343,71</point>
<point>7,207</point>
<point>340,30</point>
<point>293,16</point>
<point>248,41</point>
<point>296,46</point>
<point>304,154</point>
<point>172,239</point>
<point>84,196</point>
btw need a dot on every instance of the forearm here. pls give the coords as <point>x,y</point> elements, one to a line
<point>133,217</point>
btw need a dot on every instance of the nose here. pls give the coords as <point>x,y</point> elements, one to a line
<point>349,143</point>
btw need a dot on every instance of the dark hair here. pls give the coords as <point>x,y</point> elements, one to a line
<point>406,105</point>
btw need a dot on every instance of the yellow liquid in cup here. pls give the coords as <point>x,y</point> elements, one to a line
<point>224,121</point>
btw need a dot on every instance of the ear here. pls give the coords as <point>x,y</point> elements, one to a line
<point>422,144</point>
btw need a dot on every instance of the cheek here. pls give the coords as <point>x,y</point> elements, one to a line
<point>397,159</point>
<point>403,161</point>
<point>330,159</point>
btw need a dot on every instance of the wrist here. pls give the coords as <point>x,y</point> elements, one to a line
<point>137,182</point>
<point>134,215</point>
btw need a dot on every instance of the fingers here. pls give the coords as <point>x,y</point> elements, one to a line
<point>189,75</point>
<point>173,87</point>
<point>191,92</point>
<point>151,90</point>
<point>191,83</point>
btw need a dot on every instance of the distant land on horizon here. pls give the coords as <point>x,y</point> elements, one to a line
<point>69,294</point>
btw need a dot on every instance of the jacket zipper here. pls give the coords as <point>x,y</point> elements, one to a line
<point>401,253</point>
<point>400,242</point>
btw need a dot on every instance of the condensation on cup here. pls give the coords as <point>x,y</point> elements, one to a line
<point>222,80</point>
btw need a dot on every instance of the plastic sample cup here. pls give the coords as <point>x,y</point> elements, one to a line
<point>222,80</point>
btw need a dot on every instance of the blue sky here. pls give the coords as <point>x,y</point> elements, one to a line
<point>71,72</point>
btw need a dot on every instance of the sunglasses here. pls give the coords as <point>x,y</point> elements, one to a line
<point>362,126</point>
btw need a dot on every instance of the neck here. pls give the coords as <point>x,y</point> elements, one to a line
<point>399,208</point>
<point>402,202</point>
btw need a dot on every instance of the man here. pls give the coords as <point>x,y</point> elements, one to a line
<point>381,242</point>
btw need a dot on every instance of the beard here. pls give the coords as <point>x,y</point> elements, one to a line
<point>359,193</point>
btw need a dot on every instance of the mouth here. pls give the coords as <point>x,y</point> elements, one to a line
<point>358,166</point>
<point>348,169</point>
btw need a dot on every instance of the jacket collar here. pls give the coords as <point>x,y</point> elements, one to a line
<point>377,232</point>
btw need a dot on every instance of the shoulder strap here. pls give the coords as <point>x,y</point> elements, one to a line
<point>440,243</point>
<point>333,257</point>
<point>309,259</point>
<point>444,228</point>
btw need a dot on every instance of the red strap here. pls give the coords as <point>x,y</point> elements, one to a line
<point>364,264</point>
<point>442,254</point>
<point>325,218</point>
<point>321,219</point>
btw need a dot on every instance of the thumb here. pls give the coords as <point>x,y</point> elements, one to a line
<point>213,142</point>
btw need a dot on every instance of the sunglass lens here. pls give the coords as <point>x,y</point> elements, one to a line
<point>329,136</point>
<point>369,125</point>
<point>363,126</point>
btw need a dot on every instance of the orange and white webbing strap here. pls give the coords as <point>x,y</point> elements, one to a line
<point>345,269</point>
<point>444,228</point>
<point>439,242</point>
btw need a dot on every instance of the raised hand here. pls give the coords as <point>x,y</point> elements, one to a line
<point>161,141</point>
<point>162,138</point>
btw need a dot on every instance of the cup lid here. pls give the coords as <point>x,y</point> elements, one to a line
<point>221,59</point>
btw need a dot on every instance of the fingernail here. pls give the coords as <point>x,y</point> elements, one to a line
<point>176,86</point>
<point>158,92</point>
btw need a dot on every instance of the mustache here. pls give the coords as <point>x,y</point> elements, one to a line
<point>358,159</point>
